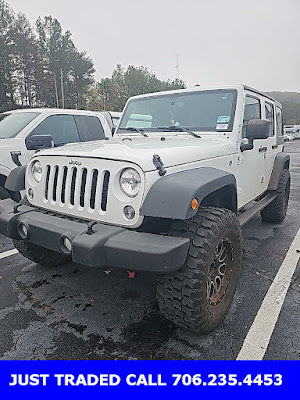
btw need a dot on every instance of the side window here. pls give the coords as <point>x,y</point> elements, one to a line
<point>93,128</point>
<point>279,121</point>
<point>269,109</point>
<point>62,128</point>
<point>252,111</point>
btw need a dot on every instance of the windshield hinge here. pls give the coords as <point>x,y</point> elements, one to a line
<point>159,165</point>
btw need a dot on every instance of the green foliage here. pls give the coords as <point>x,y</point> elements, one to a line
<point>42,66</point>
<point>7,60</point>
<point>27,62</point>
<point>123,84</point>
<point>68,71</point>
<point>291,106</point>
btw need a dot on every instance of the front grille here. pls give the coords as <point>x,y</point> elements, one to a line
<point>87,188</point>
<point>77,187</point>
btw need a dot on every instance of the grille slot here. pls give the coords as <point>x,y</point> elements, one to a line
<point>47,181</point>
<point>73,184</point>
<point>55,183</point>
<point>105,190</point>
<point>82,188</point>
<point>63,185</point>
<point>94,189</point>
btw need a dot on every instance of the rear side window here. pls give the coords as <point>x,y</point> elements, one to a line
<point>90,127</point>
<point>62,128</point>
<point>269,109</point>
<point>252,111</point>
<point>94,128</point>
<point>279,121</point>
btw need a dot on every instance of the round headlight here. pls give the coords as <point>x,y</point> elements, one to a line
<point>36,170</point>
<point>130,182</point>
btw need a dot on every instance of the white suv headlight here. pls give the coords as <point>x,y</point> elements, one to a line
<point>36,170</point>
<point>130,182</point>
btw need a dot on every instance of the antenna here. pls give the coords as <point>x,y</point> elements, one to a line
<point>177,75</point>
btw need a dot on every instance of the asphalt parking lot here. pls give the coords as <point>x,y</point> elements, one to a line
<point>73,312</point>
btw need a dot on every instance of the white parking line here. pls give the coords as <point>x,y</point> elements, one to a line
<point>259,335</point>
<point>8,253</point>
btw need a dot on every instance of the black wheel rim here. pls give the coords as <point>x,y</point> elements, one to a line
<point>219,272</point>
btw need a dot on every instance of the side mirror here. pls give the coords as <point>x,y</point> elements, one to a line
<point>39,142</point>
<point>255,129</point>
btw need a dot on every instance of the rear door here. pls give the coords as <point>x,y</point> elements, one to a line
<point>270,146</point>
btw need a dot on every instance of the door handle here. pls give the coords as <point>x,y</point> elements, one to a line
<point>262,149</point>
<point>274,146</point>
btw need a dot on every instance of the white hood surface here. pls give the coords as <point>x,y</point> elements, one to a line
<point>174,150</point>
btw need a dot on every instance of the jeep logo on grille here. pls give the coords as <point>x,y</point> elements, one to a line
<point>74,162</point>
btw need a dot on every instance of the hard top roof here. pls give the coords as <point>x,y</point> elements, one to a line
<point>204,88</point>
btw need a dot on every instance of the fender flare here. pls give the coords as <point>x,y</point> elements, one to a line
<point>282,161</point>
<point>171,195</point>
<point>16,179</point>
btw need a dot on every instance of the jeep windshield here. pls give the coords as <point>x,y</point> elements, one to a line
<point>209,110</point>
<point>12,123</point>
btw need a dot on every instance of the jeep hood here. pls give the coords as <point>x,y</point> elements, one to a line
<point>172,151</point>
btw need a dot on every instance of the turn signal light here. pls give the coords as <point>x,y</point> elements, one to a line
<point>194,204</point>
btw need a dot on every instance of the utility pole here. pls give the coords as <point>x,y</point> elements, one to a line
<point>62,88</point>
<point>177,67</point>
<point>56,91</point>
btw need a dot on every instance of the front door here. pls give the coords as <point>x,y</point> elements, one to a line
<point>251,162</point>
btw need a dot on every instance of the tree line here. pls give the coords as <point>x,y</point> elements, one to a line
<point>112,93</point>
<point>40,66</point>
<point>291,106</point>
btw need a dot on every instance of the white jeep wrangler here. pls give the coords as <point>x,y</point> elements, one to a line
<point>168,194</point>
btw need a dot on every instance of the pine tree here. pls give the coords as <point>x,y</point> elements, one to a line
<point>7,59</point>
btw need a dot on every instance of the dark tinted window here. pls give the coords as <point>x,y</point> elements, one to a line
<point>94,129</point>
<point>62,128</point>
<point>12,123</point>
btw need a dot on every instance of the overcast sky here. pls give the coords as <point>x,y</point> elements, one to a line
<point>255,42</point>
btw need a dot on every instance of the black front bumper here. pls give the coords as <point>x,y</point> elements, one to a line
<point>103,245</point>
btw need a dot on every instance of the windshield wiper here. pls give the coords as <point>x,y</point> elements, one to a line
<point>131,128</point>
<point>178,129</point>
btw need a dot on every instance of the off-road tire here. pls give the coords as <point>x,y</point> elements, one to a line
<point>4,193</point>
<point>275,212</point>
<point>38,254</point>
<point>186,296</point>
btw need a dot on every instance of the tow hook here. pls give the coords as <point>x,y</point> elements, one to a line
<point>90,228</point>
<point>15,208</point>
<point>131,274</point>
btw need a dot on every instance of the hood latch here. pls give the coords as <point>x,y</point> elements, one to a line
<point>159,165</point>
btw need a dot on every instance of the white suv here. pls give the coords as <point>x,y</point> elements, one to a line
<point>168,194</point>
<point>63,126</point>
